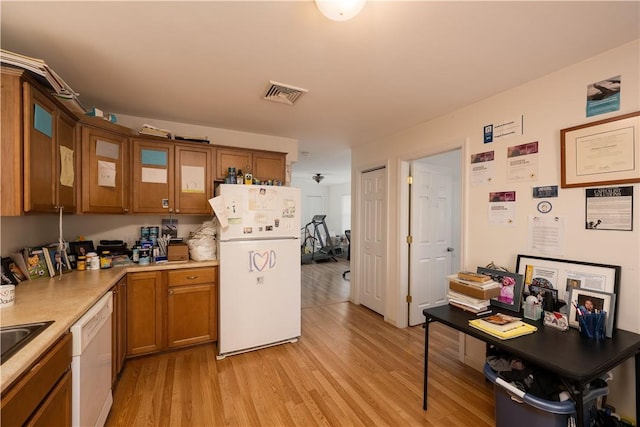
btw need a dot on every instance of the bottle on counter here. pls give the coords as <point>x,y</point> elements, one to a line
<point>248,177</point>
<point>106,261</point>
<point>240,177</point>
<point>93,261</point>
<point>144,256</point>
<point>81,264</point>
<point>231,174</point>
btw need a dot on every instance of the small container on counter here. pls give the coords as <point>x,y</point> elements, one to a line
<point>144,256</point>
<point>135,255</point>
<point>93,261</point>
<point>106,261</point>
<point>81,264</point>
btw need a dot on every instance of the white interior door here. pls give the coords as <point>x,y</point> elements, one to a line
<point>374,229</point>
<point>431,230</point>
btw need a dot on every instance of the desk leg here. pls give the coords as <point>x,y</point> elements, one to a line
<point>578,397</point>
<point>426,362</point>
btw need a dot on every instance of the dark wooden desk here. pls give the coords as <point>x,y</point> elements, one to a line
<point>575,359</point>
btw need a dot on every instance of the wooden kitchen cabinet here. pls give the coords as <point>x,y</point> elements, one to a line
<point>38,149</point>
<point>104,168</point>
<point>269,166</point>
<point>231,158</point>
<point>171,309</point>
<point>192,306</point>
<point>56,409</point>
<point>153,176</point>
<point>42,397</point>
<point>172,177</point>
<point>144,312</point>
<point>265,165</point>
<point>193,179</point>
<point>119,329</point>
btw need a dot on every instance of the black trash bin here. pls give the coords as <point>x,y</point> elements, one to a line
<point>513,407</point>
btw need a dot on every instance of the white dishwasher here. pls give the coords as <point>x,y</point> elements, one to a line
<point>91,365</point>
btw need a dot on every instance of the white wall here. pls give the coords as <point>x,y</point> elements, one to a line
<point>18,232</point>
<point>334,218</point>
<point>548,104</point>
<point>219,136</point>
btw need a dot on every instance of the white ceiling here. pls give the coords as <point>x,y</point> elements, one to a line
<point>395,65</point>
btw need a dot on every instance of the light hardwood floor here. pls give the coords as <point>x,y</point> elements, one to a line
<point>349,368</point>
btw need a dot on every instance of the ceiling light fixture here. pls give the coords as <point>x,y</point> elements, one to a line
<point>317,177</point>
<point>340,10</point>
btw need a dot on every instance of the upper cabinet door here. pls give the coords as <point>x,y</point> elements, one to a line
<point>49,154</point>
<point>11,172</point>
<point>105,171</point>
<point>231,158</point>
<point>67,156</point>
<point>153,176</point>
<point>269,166</point>
<point>194,179</point>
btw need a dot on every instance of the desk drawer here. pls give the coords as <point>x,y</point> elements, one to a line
<point>192,276</point>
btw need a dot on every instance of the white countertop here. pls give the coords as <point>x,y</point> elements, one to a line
<point>63,300</point>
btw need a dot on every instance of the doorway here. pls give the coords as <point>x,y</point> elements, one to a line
<point>434,225</point>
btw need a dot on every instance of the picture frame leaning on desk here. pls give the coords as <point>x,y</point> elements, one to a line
<point>567,275</point>
<point>600,301</point>
<point>512,285</point>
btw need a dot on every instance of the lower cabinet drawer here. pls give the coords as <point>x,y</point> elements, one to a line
<point>191,276</point>
<point>24,397</point>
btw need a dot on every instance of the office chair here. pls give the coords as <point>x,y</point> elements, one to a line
<point>348,234</point>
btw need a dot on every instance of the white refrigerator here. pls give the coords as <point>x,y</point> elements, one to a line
<point>259,256</point>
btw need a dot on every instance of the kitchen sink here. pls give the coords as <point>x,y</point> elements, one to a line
<point>13,338</point>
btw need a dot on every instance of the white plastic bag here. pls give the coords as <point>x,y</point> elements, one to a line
<point>202,243</point>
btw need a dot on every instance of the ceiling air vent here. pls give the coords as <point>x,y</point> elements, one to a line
<point>284,94</point>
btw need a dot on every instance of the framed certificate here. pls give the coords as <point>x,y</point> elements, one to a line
<point>602,152</point>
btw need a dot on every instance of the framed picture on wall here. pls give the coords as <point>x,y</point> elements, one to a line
<point>604,152</point>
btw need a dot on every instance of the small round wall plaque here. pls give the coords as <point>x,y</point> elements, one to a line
<point>544,206</point>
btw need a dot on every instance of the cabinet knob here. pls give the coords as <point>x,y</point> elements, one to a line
<point>192,277</point>
<point>170,291</point>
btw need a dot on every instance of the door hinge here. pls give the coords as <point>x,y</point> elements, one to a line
<point>409,299</point>
<point>409,239</point>
<point>409,180</point>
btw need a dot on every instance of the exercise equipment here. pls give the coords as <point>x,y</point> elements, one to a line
<point>348,234</point>
<point>317,243</point>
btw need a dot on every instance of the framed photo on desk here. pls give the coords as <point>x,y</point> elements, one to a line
<point>590,301</point>
<point>567,275</point>
<point>511,285</point>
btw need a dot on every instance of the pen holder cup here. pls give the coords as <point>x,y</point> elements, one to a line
<point>532,311</point>
<point>592,325</point>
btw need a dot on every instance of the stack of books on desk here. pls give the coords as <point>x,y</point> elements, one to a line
<point>471,291</point>
<point>467,303</point>
<point>503,326</point>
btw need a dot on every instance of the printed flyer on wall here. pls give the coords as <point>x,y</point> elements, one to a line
<point>609,208</point>
<point>482,168</point>
<point>522,162</point>
<point>603,96</point>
